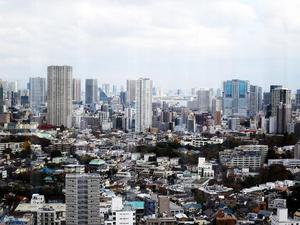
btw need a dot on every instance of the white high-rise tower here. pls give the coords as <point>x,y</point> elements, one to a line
<point>143,105</point>
<point>59,104</point>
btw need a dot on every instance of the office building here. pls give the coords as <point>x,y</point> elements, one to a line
<point>255,102</point>
<point>37,91</point>
<point>143,105</point>
<point>59,103</point>
<point>283,118</point>
<point>204,99</point>
<point>91,91</point>
<point>279,95</point>
<point>82,199</point>
<point>76,91</point>
<point>235,97</point>
<point>131,90</point>
<point>281,218</point>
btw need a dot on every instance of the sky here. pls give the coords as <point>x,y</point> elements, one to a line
<point>177,43</point>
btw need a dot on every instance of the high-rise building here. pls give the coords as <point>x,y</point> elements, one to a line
<point>298,99</point>
<point>235,97</point>
<point>59,102</point>
<point>204,99</point>
<point>91,91</point>
<point>131,89</point>
<point>279,95</point>
<point>37,91</point>
<point>106,89</point>
<point>297,151</point>
<point>283,117</point>
<point>255,101</point>
<point>1,98</point>
<point>82,199</point>
<point>76,91</point>
<point>143,105</point>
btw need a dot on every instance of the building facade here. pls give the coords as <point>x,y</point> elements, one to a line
<point>59,102</point>
<point>143,113</point>
<point>82,199</point>
<point>37,89</point>
<point>235,97</point>
<point>76,91</point>
<point>91,91</point>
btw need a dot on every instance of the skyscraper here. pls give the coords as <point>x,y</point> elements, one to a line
<point>131,90</point>
<point>91,91</point>
<point>235,97</point>
<point>298,99</point>
<point>204,99</point>
<point>143,114</point>
<point>279,95</point>
<point>106,89</point>
<point>37,91</point>
<point>82,199</point>
<point>59,104</point>
<point>1,98</point>
<point>76,91</point>
<point>255,102</point>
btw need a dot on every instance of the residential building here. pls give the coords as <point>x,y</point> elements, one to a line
<point>76,91</point>
<point>59,102</point>
<point>143,113</point>
<point>82,199</point>
<point>205,169</point>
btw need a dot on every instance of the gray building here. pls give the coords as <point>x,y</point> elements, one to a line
<point>82,199</point>
<point>37,91</point>
<point>130,90</point>
<point>204,100</point>
<point>59,102</point>
<point>91,91</point>
<point>255,101</point>
<point>76,90</point>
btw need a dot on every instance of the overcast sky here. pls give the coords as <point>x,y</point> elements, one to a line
<point>178,44</point>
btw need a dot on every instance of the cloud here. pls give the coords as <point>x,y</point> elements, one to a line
<point>192,40</point>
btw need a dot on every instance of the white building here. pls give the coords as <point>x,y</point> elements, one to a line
<point>143,116</point>
<point>205,169</point>
<point>282,218</point>
<point>82,199</point>
<point>59,103</point>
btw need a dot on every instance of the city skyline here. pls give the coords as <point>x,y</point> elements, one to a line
<point>173,43</point>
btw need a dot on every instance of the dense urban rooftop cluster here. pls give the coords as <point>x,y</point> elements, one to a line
<point>139,155</point>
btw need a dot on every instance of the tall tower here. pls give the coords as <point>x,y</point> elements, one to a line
<point>204,98</point>
<point>235,97</point>
<point>255,102</point>
<point>91,91</point>
<point>1,98</point>
<point>143,105</point>
<point>76,92</point>
<point>131,90</point>
<point>59,103</point>
<point>37,91</point>
<point>82,199</point>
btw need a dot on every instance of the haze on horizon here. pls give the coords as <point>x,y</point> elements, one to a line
<point>178,44</point>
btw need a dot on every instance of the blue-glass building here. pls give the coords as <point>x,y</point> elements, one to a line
<point>236,97</point>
